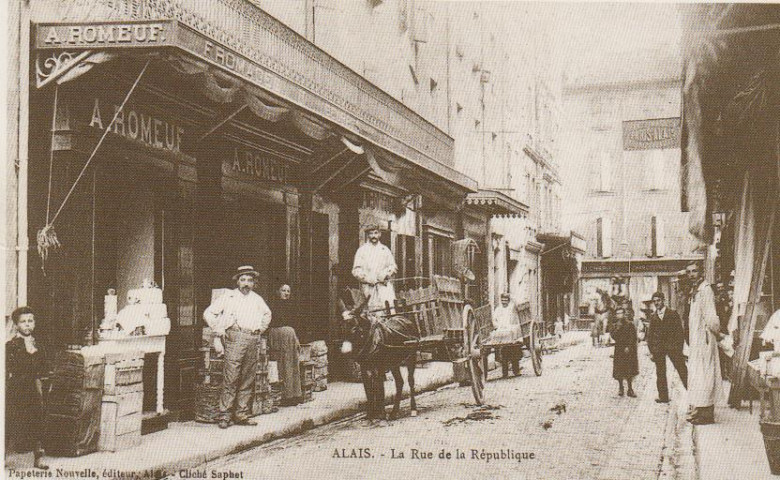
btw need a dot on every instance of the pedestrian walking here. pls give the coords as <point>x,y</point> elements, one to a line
<point>373,267</point>
<point>25,369</point>
<point>704,378</point>
<point>625,362</point>
<point>665,338</point>
<point>595,332</point>
<point>284,346</point>
<point>238,318</point>
<point>503,322</point>
<point>558,329</point>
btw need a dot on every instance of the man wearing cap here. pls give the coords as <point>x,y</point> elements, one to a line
<point>373,267</point>
<point>704,379</point>
<point>238,318</point>
<point>665,339</point>
<point>503,321</point>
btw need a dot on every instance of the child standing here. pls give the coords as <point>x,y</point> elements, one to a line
<point>625,365</point>
<point>25,367</point>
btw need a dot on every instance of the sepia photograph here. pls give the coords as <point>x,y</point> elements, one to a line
<point>390,239</point>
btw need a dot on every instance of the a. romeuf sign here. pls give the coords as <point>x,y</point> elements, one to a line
<point>651,134</point>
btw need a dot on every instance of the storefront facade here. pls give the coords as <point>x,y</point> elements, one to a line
<point>216,154</point>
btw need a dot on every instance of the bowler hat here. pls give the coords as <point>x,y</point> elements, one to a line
<point>246,270</point>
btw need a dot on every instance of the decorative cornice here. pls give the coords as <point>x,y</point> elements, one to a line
<point>497,203</point>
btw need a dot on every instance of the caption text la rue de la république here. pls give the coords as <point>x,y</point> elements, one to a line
<point>486,455</point>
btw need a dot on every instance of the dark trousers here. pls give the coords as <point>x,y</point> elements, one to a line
<point>678,360</point>
<point>240,371</point>
<point>511,355</point>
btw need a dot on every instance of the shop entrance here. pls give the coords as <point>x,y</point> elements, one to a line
<point>250,233</point>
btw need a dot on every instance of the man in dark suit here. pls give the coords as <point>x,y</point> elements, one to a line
<point>665,338</point>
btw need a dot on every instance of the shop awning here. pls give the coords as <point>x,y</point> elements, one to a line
<point>496,203</point>
<point>561,259</point>
<point>731,79</point>
<point>304,87</point>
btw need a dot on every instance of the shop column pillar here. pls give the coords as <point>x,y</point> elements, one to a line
<point>305,201</point>
<point>182,345</point>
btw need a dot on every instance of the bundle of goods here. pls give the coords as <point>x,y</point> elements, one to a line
<point>122,404</point>
<point>73,410</point>
<point>144,314</point>
<point>319,355</point>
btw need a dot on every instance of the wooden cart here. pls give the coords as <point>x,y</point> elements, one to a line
<point>526,336</point>
<point>447,326</point>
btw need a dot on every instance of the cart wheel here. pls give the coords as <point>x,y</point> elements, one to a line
<point>472,343</point>
<point>535,348</point>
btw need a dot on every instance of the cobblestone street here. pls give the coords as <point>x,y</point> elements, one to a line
<point>570,419</point>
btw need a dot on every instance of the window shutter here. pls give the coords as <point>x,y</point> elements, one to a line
<point>606,226</point>
<point>660,240</point>
<point>599,237</point>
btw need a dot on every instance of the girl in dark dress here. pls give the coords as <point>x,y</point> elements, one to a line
<point>625,365</point>
<point>25,367</point>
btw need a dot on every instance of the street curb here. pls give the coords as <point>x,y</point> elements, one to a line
<point>319,419</point>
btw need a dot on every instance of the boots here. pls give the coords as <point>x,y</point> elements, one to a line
<point>38,462</point>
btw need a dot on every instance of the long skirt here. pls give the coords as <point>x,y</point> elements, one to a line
<point>284,346</point>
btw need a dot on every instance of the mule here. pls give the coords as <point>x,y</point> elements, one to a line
<point>377,345</point>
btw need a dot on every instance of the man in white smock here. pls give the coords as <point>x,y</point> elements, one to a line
<point>373,267</point>
<point>704,379</point>
<point>506,331</point>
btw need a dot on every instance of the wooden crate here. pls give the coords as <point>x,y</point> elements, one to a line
<point>120,422</point>
<point>319,348</point>
<point>123,375</point>
<point>262,385</point>
<point>305,353</point>
<point>320,378</point>
<point>307,374</point>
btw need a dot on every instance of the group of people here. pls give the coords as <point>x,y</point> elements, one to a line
<point>666,337</point>
<point>239,317</point>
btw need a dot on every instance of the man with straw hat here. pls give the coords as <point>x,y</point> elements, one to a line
<point>238,318</point>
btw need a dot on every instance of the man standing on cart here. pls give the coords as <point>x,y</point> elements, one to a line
<point>373,267</point>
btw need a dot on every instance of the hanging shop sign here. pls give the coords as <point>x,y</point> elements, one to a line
<point>252,163</point>
<point>137,125</point>
<point>103,35</point>
<point>651,134</point>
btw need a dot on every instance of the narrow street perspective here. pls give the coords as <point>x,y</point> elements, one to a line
<point>567,424</point>
<point>249,239</point>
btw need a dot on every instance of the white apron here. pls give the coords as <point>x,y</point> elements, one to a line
<point>704,378</point>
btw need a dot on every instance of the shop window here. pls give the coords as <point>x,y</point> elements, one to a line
<point>437,256</point>
<point>405,259</point>
<point>657,241</point>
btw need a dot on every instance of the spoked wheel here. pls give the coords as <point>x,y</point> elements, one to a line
<point>535,348</point>
<point>474,358</point>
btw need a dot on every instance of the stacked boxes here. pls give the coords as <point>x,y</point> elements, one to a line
<point>307,381</point>
<point>73,410</point>
<point>208,392</point>
<point>262,402</point>
<point>319,355</point>
<point>122,403</point>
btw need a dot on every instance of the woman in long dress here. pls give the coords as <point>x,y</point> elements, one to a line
<point>284,346</point>
<point>625,365</point>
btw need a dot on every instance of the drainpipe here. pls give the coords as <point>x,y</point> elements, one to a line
<point>23,242</point>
